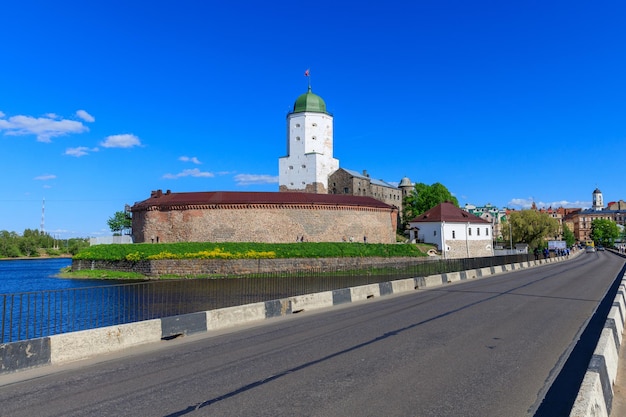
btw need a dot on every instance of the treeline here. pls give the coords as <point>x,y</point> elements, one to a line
<point>33,243</point>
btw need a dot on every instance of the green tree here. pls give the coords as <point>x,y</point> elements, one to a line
<point>604,232</point>
<point>75,245</point>
<point>9,244</point>
<point>120,221</point>
<point>424,197</point>
<point>568,236</point>
<point>28,246</point>
<point>531,227</point>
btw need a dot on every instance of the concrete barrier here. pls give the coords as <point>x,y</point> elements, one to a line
<point>234,316</point>
<point>73,346</point>
<point>311,301</point>
<point>364,292</point>
<point>595,396</point>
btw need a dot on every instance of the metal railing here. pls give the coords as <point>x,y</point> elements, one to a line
<point>30,315</point>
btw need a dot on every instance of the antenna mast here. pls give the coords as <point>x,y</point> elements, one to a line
<point>43,210</point>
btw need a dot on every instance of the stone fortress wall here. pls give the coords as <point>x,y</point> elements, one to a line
<point>269,223</point>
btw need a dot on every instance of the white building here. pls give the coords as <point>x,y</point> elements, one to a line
<point>455,232</point>
<point>309,160</point>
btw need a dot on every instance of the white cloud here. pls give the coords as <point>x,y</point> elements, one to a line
<point>189,173</point>
<point>526,203</point>
<point>121,141</point>
<point>85,116</point>
<point>79,151</point>
<point>45,177</point>
<point>252,179</point>
<point>44,128</point>
<point>192,159</point>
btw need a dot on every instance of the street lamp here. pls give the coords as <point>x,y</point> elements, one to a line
<point>511,236</point>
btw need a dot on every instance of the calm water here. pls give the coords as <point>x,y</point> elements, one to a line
<point>36,303</point>
<point>39,274</point>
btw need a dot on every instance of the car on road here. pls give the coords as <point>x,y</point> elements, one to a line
<point>601,248</point>
<point>590,249</point>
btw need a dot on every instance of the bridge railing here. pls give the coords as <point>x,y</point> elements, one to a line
<point>30,315</point>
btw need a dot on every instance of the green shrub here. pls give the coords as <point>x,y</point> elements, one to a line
<point>244,250</point>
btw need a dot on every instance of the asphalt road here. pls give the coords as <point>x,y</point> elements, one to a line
<point>488,347</point>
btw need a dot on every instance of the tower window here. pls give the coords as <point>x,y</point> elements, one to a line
<point>297,137</point>
<point>290,166</point>
<point>303,166</point>
<point>314,138</point>
<point>314,125</point>
<point>297,124</point>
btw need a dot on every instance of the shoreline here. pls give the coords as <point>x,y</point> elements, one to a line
<point>34,258</point>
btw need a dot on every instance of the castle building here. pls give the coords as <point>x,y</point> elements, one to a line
<point>310,167</point>
<point>347,181</point>
<point>309,160</point>
<point>304,209</point>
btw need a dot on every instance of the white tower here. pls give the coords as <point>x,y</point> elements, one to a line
<point>597,203</point>
<point>309,160</point>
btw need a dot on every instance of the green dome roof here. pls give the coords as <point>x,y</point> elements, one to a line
<point>309,102</point>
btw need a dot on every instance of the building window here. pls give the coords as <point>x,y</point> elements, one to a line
<point>469,231</point>
<point>297,124</point>
<point>453,234</point>
<point>297,137</point>
<point>313,138</point>
<point>434,233</point>
<point>478,231</point>
<point>486,231</point>
<point>290,166</point>
<point>314,125</point>
<point>303,166</point>
<point>346,190</point>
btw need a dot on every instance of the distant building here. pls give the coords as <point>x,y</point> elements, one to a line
<point>490,213</point>
<point>455,232</point>
<point>581,220</point>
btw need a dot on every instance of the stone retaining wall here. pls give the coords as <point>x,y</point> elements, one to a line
<point>200,267</point>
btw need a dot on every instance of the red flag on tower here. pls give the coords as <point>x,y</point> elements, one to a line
<point>306,73</point>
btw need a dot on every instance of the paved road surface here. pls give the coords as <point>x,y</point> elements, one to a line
<point>483,348</point>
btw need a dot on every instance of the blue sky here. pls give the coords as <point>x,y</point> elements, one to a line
<point>503,102</point>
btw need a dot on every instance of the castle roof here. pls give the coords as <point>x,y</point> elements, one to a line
<point>160,199</point>
<point>447,212</point>
<point>309,102</point>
